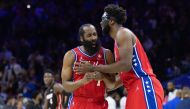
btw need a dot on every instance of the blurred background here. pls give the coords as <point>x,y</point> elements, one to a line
<point>35,34</point>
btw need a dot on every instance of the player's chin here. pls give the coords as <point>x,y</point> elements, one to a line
<point>102,28</point>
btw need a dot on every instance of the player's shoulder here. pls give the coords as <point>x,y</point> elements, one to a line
<point>70,53</point>
<point>106,50</point>
<point>124,31</point>
<point>124,34</point>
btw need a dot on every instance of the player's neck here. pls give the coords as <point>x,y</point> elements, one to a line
<point>52,83</point>
<point>114,30</point>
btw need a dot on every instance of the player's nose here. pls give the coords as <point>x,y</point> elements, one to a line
<point>94,37</point>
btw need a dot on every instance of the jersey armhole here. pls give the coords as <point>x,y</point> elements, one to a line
<point>104,52</point>
<point>73,63</point>
<point>75,54</point>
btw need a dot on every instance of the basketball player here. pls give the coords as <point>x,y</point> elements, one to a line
<point>54,92</point>
<point>136,74</point>
<point>86,94</point>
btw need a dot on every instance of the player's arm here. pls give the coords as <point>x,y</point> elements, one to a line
<point>116,84</point>
<point>45,101</point>
<point>66,74</point>
<point>124,41</point>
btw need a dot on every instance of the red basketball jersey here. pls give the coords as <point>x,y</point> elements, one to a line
<point>144,90</point>
<point>140,64</point>
<point>93,88</point>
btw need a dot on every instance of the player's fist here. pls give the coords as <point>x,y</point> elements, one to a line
<point>88,77</point>
<point>98,76</point>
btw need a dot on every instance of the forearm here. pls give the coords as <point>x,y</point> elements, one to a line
<point>72,86</point>
<point>109,84</point>
<point>113,68</point>
<point>115,85</point>
<point>46,104</point>
<point>112,84</point>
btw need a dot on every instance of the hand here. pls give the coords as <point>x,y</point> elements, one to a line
<point>98,75</point>
<point>83,67</point>
<point>88,77</point>
<point>93,76</point>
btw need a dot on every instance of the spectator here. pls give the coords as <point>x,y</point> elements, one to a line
<point>123,100</point>
<point>171,91</point>
<point>35,102</point>
<point>12,70</point>
<point>172,104</point>
<point>185,102</point>
<point>5,54</point>
<point>111,101</point>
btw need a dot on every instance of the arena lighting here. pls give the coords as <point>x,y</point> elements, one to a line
<point>28,6</point>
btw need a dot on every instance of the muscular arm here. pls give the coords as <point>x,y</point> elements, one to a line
<point>124,40</point>
<point>67,73</point>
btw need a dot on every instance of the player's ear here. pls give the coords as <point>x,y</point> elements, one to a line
<point>111,22</point>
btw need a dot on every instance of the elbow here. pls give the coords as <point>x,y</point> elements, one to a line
<point>66,89</point>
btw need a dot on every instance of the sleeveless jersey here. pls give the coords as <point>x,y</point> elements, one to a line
<point>140,64</point>
<point>54,101</point>
<point>93,89</point>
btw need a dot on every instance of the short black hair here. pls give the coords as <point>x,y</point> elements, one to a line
<point>81,29</point>
<point>117,12</point>
<point>49,71</point>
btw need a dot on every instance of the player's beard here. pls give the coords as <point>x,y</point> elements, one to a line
<point>106,30</point>
<point>105,27</point>
<point>89,46</point>
<point>171,90</point>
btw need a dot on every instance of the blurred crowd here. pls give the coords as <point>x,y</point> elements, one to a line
<point>34,35</point>
<point>176,98</point>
